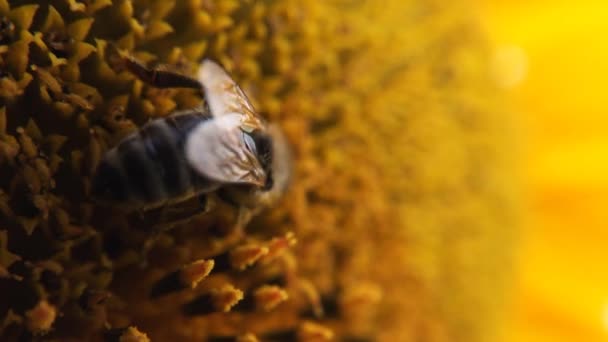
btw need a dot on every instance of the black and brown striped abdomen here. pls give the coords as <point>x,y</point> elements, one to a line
<point>148,168</point>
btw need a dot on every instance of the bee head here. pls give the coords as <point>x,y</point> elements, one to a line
<point>260,144</point>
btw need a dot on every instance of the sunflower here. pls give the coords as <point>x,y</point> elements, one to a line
<point>402,203</point>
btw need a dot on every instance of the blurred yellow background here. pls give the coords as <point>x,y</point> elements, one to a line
<point>553,59</point>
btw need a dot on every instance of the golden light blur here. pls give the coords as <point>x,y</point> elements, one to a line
<point>403,196</point>
<point>552,57</point>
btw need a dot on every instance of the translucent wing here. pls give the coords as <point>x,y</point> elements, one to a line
<point>224,96</point>
<point>218,149</point>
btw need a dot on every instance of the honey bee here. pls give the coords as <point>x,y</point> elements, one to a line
<point>222,146</point>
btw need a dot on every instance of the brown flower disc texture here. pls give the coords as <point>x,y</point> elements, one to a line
<point>399,220</point>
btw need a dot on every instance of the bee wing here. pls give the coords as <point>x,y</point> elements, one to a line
<point>217,149</point>
<point>224,96</point>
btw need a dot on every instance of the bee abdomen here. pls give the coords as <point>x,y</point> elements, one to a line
<point>141,171</point>
<point>161,145</point>
<point>148,168</point>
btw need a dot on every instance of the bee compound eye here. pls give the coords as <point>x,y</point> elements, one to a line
<point>250,143</point>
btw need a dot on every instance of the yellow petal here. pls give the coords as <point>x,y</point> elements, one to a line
<point>2,120</point>
<point>158,29</point>
<point>96,5</point>
<point>23,16</point>
<point>53,21</point>
<point>4,7</point>
<point>160,9</point>
<point>76,6</point>
<point>17,57</point>
<point>195,50</point>
<point>80,28</point>
<point>81,51</point>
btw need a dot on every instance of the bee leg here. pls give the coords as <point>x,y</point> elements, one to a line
<point>242,217</point>
<point>170,217</point>
<point>243,214</point>
<point>145,250</point>
<point>152,237</point>
<point>158,77</point>
<point>141,214</point>
<point>204,203</point>
<point>179,214</point>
